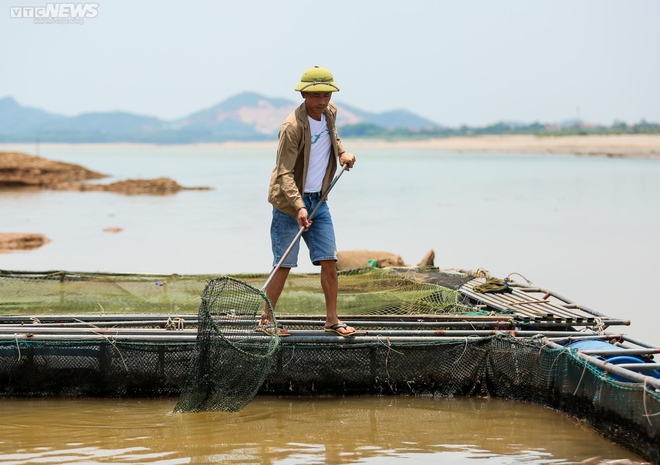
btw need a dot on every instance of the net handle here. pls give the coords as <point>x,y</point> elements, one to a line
<point>302,229</point>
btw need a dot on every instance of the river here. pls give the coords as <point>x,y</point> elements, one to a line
<point>585,227</point>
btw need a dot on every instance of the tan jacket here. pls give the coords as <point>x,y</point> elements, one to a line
<point>287,182</point>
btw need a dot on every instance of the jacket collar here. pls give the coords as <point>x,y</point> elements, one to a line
<point>302,115</point>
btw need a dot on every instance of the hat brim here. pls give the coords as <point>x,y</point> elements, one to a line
<point>318,87</point>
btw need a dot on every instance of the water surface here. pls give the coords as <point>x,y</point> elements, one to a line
<point>584,227</point>
<point>371,430</point>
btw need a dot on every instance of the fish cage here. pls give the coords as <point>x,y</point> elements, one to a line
<point>419,332</point>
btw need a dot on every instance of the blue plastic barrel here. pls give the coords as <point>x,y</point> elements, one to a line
<point>593,344</point>
<point>597,344</point>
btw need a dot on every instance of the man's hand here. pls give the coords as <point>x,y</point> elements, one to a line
<point>347,159</point>
<point>303,219</point>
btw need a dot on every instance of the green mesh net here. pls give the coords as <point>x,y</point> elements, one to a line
<point>370,291</point>
<point>66,292</point>
<point>231,358</point>
<point>374,292</point>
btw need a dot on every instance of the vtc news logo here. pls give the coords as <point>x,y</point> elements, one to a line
<point>56,13</point>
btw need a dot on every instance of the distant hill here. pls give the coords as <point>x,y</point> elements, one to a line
<point>249,116</point>
<point>394,119</point>
<point>244,117</point>
<point>15,118</point>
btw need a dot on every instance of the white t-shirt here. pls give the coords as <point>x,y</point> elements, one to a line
<point>320,154</point>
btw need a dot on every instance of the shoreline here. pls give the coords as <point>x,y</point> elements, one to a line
<point>626,145</point>
<point>637,146</point>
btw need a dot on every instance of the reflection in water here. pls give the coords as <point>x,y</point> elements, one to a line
<point>366,430</point>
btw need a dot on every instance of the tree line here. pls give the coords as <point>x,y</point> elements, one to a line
<point>368,130</point>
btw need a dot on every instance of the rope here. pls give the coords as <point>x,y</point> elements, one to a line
<point>580,381</point>
<point>600,327</point>
<point>313,83</point>
<point>111,341</point>
<point>478,273</point>
<point>174,323</point>
<point>18,347</point>
<point>647,415</point>
<point>387,357</point>
<point>464,350</point>
<point>600,389</point>
<point>389,345</point>
<point>565,349</point>
<point>515,272</point>
<point>293,352</point>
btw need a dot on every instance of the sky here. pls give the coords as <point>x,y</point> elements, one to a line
<point>473,62</point>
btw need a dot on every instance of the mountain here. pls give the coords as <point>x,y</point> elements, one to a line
<point>15,118</point>
<point>261,114</point>
<point>399,119</point>
<point>244,117</point>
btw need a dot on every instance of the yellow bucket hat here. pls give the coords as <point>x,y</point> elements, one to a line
<point>317,79</point>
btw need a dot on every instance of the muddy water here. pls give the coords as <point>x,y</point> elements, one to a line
<point>371,430</point>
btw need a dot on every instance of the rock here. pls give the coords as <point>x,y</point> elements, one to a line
<point>22,169</point>
<point>159,186</point>
<point>21,241</point>
<point>428,259</point>
<point>354,259</point>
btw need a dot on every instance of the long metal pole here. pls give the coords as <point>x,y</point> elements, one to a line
<point>297,335</point>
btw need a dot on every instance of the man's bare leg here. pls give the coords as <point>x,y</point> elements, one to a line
<point>273,292</point>
<point>330,285</point>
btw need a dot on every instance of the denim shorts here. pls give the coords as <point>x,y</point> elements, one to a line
<point>320,237</point>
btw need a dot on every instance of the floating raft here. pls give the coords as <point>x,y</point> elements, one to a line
<point>420,332</point>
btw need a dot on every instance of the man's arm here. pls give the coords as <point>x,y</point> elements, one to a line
<point>287,155</point>
<point>344,156</point>
<point>347,158</point>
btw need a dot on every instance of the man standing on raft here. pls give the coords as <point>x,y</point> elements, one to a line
<point>307,155</point>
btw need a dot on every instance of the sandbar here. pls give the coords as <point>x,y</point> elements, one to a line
<point>623,145</point>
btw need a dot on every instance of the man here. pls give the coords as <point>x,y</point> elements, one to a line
<point>307,155</point>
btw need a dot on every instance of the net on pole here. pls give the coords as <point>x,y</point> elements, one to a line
<point>231,359</point>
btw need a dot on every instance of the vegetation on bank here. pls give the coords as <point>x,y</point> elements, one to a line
<point>360,130</point>
<point>367,130</point>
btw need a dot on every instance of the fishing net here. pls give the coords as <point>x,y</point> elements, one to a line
<point>370,291</point>
<point>231,359</point>
<point>376,291</point>
<point>497,366</point>
<point>69,292</point>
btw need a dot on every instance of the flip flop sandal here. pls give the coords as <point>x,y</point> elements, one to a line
<point>335,329</point>
<point>269,327</point>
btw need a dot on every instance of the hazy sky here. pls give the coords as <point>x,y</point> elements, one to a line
<point>455,62</point>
